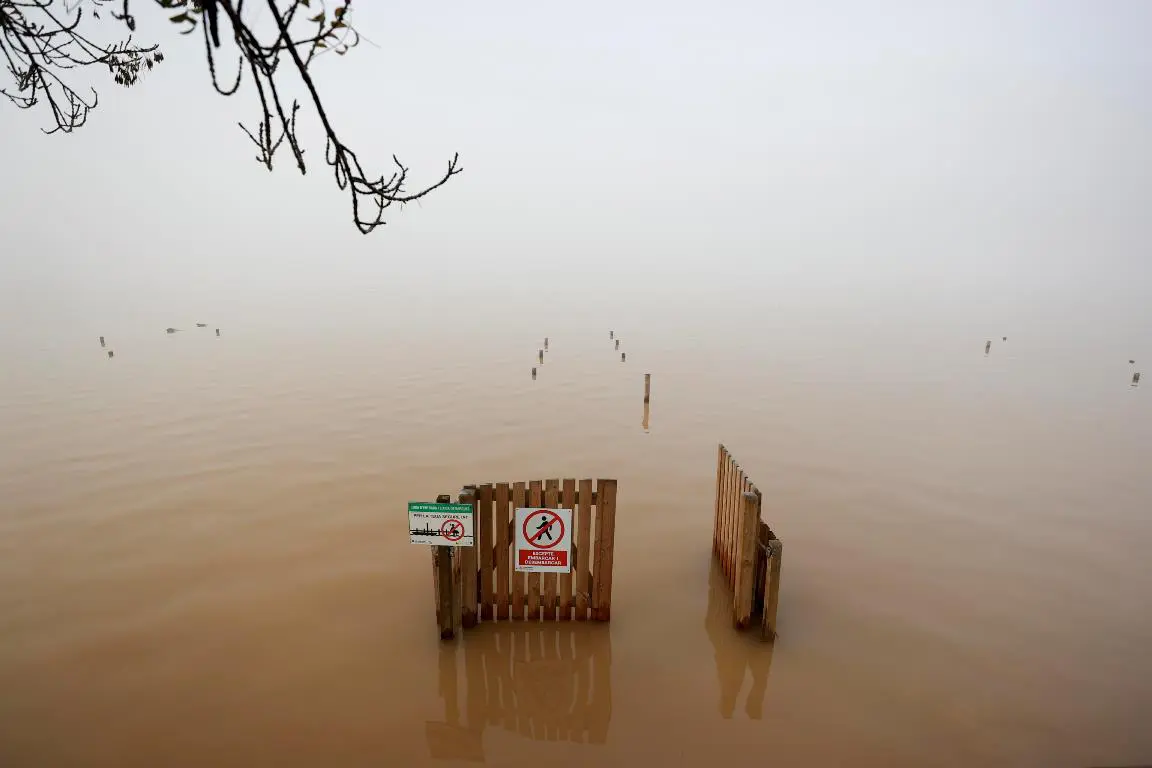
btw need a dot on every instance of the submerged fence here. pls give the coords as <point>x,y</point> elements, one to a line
<point>748,550</point>
<point>481,584</point>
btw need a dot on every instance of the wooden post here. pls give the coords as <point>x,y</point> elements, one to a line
<point>772,596</point>
<point>469,589</point>
<point>583,551</point>
<point>541,355</point>
<point>605,542</point>
<point>617,343</point>
<point>568,502</point>
<point>746,559</point>
<point>647,386</point>
<point>545,342</point>
<point>442,579</point>
<point>503,528</point>
<point>611,334</point>
<point>550,580</point>
<point>519,580</point>
<point>483,522</point>
<point>623,356</point>
<point>535,499</point>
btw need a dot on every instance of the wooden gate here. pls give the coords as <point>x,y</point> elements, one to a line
<point>479,583</point>
<point>748,550</point>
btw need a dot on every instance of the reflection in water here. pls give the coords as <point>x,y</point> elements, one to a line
<point>549,683</point>
<point>644,423</point>
<point>734,651</point>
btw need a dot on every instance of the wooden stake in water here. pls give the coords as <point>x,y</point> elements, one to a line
<point>110,353</point>
<point>442,578</point>
<point>101,341</point>
<point>533,374</point>
<point>611,334</point>
<point>217,331</point>
<point>987,346</point>
<point>617,343</point>
<point>469,573</point>
<point>541,353</point>
<point>545,342</point>
<point>622,356</point>
<point>1135,378</point>
<point>647,386</point>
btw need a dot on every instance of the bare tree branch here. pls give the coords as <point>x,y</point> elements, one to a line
<point>40,41</point>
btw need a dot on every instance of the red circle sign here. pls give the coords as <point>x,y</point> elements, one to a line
<point>550,518</point>
<point>453,529</point>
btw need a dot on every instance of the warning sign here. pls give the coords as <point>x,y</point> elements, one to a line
<point>441,525</point>
<point>543,540</point>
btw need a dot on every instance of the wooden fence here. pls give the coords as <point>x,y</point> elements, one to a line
<point>485,587</point>
<point>748,550</point>
<point>545,682</point>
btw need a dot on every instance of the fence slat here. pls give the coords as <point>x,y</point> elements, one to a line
<point>729,472</point>
<point>535,499</point>
<point>729,519</point>
<point>583,551</point>
<point>568,502</point>
<point>469,588</point>
<point>519,580</point>
<point>735,525</point>
<point>484,542</point>
<point>551,501</point>
<point>606,534</point>
<point>746,571</point>
<point>719,480</point>
<point>500,518</point>
<point>721,491</point>
<point>594,566</point>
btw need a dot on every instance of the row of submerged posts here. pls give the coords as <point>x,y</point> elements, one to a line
<point>611,337</point>
<point>1135,374</point>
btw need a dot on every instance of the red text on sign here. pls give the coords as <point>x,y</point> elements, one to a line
<point>542,557</point>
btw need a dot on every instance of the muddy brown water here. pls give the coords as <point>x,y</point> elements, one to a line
<point>204,561</point>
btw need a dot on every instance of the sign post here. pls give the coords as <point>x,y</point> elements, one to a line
<point>444,526</point>
<point>543,540</point>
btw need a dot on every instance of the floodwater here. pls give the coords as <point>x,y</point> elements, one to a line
<point>204,558</point>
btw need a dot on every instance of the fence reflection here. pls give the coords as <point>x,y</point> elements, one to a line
<point>545,682</point>
<point>735,653</point>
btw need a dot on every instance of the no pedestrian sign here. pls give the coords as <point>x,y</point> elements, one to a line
<point>543,540</point>
<point>441,525</point>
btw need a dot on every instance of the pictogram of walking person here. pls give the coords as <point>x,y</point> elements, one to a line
<point>544,529</point>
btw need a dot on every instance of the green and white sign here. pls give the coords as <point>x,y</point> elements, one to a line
<point>441,525</point>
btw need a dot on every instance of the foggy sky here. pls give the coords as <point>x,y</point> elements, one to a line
<point>982,161</point>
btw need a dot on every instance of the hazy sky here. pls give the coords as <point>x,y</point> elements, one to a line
<point>869,158</point>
